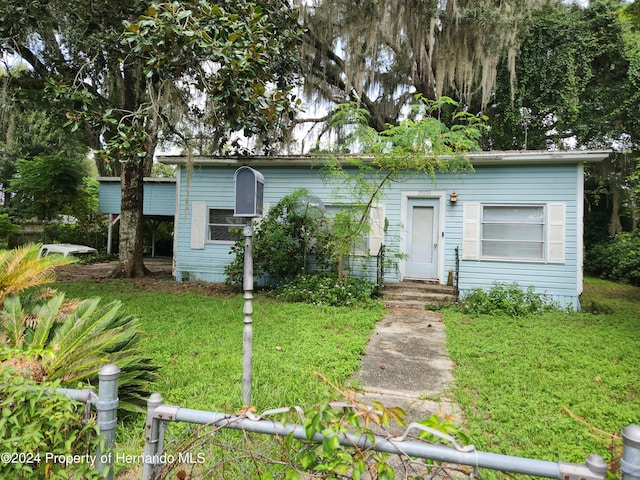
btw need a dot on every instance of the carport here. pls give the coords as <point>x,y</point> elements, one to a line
<point>159,204</point>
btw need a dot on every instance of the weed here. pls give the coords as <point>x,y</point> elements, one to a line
<point>507,299</point>
<point>327,289</point>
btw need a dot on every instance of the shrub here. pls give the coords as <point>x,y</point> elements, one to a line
<point>286,240</point>
<point>326,289</point>
<point>39,426</point>
<point>63,338</point>
<point>71,340</point>
<point>507,299</point>
<point>617,260</point>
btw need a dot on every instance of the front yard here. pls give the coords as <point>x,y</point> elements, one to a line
<point>555,387</point>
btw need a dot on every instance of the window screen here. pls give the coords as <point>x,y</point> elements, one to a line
<point>513,232</point>
<point>223,226</point>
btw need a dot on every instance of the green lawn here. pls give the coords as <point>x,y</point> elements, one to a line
<point>541,386</point>
<point>537,387</point>
<point>197,339</point>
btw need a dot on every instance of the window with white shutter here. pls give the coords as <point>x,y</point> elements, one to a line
<point>471,231</point>
<point>556,233</point>
<point>514,232</point>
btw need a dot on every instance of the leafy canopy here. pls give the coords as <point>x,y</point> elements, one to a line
<point>47,186</point>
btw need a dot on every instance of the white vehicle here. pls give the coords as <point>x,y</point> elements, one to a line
<point>65,249</point>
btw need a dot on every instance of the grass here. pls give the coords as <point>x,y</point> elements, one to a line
<point>543,386</point>
<point>539,387</point>
<point>197,338</point>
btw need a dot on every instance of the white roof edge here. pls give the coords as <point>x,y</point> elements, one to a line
<point>146,179</point>
<point>478,158</point>
<point>538,157</point>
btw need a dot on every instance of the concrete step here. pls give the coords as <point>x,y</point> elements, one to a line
<point>417,294</point>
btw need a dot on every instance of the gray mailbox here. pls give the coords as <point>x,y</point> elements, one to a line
<point>249,192</point>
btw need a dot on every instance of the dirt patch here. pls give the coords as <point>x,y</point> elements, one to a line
<point>159,278</point>
<point>158,266</point>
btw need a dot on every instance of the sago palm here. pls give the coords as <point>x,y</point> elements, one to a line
<point>21,268</point>
<point>49,337</point>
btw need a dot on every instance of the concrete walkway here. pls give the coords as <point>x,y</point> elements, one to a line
<point>406,364</point>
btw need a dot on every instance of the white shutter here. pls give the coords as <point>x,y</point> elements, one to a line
<point>556,233</point>
<point>471,231</point>
<point>198,224</point>
<point>376,232</point>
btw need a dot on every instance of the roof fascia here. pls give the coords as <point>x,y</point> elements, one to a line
<point>524,157</point>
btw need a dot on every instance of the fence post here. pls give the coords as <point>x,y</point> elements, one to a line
<point>151,437</point>
<point>107,408</point>
<point>630,462</point>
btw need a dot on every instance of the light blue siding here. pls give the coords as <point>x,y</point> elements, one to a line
<point>504,184</point>
<point>159,196</point>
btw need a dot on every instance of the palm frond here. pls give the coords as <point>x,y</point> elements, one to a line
<point>47,316</point>
<point>13,322</point>
<point>21,268</point>
<point>72,339</point>
<point>94,335</point>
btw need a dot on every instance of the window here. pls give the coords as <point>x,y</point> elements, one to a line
<point>534,233</point>
<point>223,226</point>
<point>372,235</point>
<point>515,232</point>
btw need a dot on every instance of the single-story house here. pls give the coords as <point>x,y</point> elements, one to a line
<point>518,217</point>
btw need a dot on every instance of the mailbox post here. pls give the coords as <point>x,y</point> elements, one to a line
<point>249,188</point>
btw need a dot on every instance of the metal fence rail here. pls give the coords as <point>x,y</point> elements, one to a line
<point>160,415</point>
<point>405,446</point>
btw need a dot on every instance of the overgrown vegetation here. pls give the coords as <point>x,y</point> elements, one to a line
<point>617,260</point>
<point>52,337</point>
<point>507,299</point>
<point>291,239</point>
<point>554,385</point>
<point>328,289</point>
<point>40,429</point>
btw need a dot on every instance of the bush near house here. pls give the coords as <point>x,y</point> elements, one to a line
<point>507,299</point>
<point>327,289</point>
<point>288,241</point>
<point>617,260</point>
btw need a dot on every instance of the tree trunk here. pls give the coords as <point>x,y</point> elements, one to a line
<point>130,258</point>
<point>615,226</point>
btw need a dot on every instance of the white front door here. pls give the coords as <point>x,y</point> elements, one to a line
<point>422,238</point>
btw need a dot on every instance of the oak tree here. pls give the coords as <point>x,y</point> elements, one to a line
<point>131,73</point>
